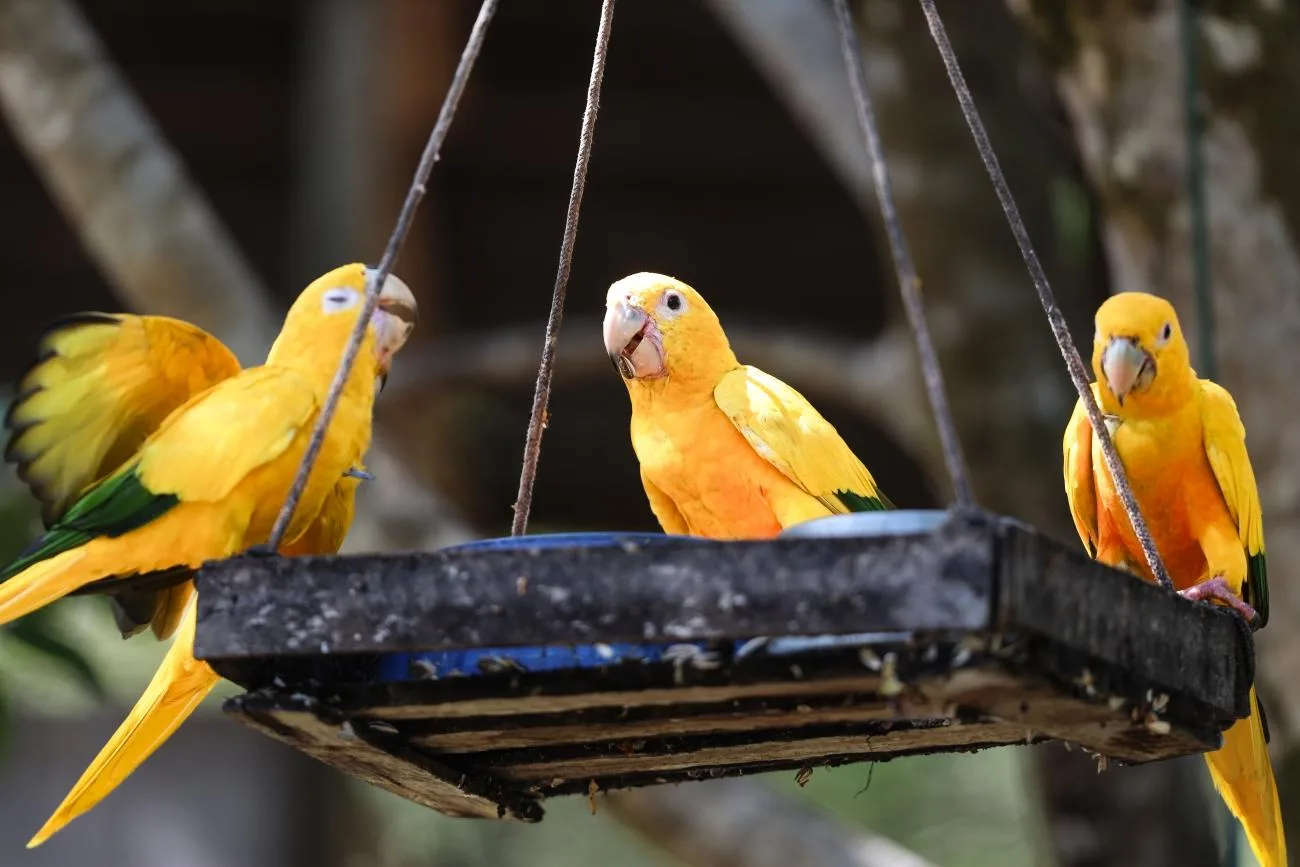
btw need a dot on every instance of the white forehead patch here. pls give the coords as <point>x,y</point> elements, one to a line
<point>339,299</point>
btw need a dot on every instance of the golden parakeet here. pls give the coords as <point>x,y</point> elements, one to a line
<point>182,682</point>
<point>1184,450</point>
<point>726,451</point>
<point>101,384</point>
<point>210,481</point>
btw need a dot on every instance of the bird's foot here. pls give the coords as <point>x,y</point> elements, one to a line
<point>262,550</point>
<point>1216,588</point>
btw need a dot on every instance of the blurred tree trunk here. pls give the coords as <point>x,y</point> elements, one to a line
<point>149,228</point>
<point>1120,72</point>
<point>370,86</point>
<point>1006,380</point>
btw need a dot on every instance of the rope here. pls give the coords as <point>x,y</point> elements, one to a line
<point>1078,373</point>
<point>545,372</point>
<point>1196,192</point>
<point>380,276</point>
<point>909,284</point>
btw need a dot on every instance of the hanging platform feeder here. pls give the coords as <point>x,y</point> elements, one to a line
<point>452,678</point>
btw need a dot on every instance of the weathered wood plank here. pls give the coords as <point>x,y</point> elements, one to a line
<point>407,773</point>
<point>476,734</point>
<point>662,697</point>
<point>864,741</point>
<point>675,590</point>
<point>1146,633</point>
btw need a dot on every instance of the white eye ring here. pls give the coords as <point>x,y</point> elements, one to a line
<point>340,299</point>
<point>673,303</point>
<point>1165,333</point>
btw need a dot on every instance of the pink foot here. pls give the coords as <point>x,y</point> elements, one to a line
<point>1217,588</point>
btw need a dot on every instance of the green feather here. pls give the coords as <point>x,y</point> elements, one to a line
<point>119,504</point>
<point>1256,590</point>
<point>858,503</point>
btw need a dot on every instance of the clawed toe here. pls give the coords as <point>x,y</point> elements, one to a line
<point>1217,588</point>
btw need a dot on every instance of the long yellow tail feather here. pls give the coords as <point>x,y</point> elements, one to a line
<point>43,583</point>
<point>1243,777</point>
<point>178,687</point>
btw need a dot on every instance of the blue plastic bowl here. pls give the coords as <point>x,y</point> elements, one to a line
<point>859,524</point>
<point>486,660</point>
<point>570,540</point>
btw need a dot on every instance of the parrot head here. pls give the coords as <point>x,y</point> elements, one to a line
<point>326,312</point>
<point>657,327</point>
<point>1139,354</point>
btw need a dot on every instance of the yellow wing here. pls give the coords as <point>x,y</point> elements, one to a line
<point>211,444</point>
<point>1080,487</point>
<point>787,432</point>
<point>1225,446</point>
<point>100,385</point>
<point>665,510</point>
<point>325,535</point>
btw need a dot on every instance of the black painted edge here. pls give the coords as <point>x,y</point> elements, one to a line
<point>253,607</point>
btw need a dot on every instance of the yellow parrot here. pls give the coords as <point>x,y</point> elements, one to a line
<point>1184,450</point>
<point>182,682</point>
<point>726,451</point>
<point>210,480</point>
<point>101,384</point>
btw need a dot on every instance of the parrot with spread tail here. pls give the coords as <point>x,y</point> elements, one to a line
<point>206,483</point>
<point>1183,447</point>
<point>101,383</point>
<point>725,450</point>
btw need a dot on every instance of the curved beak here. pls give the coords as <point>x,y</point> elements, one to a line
<point>394,318</point>
<point>1127,367</point>
<point>633,342</point>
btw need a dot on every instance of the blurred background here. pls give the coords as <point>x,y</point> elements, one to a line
<point>278,139</point>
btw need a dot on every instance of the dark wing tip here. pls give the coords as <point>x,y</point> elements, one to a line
<point>1256,588</point>
<point>51,508</point>
<point>855,502</point>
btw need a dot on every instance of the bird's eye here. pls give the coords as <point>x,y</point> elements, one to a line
<point>1166,333</point>
<point>673,301</point>
<point>338,300</point>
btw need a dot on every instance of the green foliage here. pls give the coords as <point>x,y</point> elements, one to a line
<point>1072,219</point>
<point>41,632</point>
<point>41,635</point>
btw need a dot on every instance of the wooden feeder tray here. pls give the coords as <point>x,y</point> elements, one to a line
<point>452,678</point>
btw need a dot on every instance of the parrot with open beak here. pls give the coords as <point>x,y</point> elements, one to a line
<point>725,450</point>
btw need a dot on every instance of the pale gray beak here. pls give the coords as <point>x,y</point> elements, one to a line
<point>1127,367</point>
<point>633,342</point>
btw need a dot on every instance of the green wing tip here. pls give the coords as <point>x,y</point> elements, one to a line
<point>118,505</point>
<point>859,503</point>
<point>1257,586</point>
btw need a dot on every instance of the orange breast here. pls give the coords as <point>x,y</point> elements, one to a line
<point>716,480</point>
<point>1176,489</point>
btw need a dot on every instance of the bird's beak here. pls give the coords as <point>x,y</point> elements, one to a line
<point>633,342</point>
<point>394,318</point>
<point>1127,367</point>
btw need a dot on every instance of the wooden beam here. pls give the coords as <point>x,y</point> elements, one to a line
<point>676,589</point>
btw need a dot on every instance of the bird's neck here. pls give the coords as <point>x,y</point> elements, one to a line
<point>316,357</point>
<point>689,382</point>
